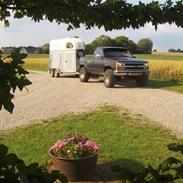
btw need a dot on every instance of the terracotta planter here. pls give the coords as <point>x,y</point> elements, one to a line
<point>82,169</point>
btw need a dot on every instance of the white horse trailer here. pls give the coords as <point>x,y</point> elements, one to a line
<point>64,56</point>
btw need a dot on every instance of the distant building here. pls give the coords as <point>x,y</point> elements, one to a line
<point>23,50</point>
<point>31,49</point>
<point>1,51</point>
<point>7,50</point>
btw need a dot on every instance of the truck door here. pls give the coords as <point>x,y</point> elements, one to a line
<point>98,61</point>
<point>69,61</point>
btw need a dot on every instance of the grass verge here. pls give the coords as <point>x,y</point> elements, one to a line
<point>175,86</point>
<point>123,138</point>
<point>164,57</point>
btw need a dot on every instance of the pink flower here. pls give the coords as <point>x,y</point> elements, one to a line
<point>59,145</point>
<point>91,146</point>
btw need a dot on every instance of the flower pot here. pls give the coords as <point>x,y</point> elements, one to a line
<point>81,169</point>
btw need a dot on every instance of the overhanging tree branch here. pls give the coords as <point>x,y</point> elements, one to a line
<point>111,14</point>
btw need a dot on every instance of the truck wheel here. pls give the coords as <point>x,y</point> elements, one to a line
<point>142,81</point>
<point>52,73</point>
<point>109,78</point>
<point>83,75</point>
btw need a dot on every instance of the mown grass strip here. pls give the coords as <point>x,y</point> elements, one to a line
<point>175,86</point>
<point>165,57</point>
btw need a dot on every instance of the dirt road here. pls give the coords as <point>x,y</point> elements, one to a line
<point>50,97</point>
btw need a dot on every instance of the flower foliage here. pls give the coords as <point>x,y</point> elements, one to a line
<point>74,146</point>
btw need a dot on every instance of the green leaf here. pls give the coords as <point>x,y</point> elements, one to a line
<point>166,165</point>
<point>6,23</point>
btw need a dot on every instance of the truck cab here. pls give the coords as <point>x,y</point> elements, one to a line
<point>114,64</point>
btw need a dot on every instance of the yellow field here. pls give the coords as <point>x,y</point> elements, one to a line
<point>166,70</point>
<point>36,63</point>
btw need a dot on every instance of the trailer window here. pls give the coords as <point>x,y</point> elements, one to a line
<point>69,45</point>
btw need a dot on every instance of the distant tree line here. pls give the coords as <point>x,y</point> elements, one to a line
<point>144,45</point>
<point>30,49</point>
<point>43,49</point>
<point>9,49</point>
<point>175,50</point>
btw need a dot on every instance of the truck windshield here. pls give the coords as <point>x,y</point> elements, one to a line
<point>116,53</point>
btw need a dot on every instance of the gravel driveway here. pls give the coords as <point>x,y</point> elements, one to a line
<point>50,97</point>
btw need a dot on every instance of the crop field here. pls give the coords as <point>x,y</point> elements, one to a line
<point>166,70</point>
<point>163,67</point>
<point>36,63</point>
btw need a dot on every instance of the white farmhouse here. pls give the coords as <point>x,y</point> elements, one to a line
<point>23,50</point>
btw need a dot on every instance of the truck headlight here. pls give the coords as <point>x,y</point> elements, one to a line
<point>118,65</point>
<point>146,65</point>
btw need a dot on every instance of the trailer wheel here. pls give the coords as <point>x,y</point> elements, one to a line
<point>83,75</point>
<point>52,73</point>
<point>57,74</point>
<point>109,78</point>
<point>142,81</point>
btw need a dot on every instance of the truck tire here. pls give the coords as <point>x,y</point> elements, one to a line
<point>142,81</point>
<point>109,78</point>
<point>52,73</point>
<point>83,75</point>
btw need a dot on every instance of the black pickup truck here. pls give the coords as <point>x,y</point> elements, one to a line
<point>115,64</point>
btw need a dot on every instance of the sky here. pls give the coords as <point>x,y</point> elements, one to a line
<point>24,32</point>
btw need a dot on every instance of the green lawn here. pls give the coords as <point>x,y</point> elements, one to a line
<point>124,139</point>
<point>160,57</point>
<point>175,86</point>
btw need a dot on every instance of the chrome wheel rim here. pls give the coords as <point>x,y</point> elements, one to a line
<point>106,81</point>
<point>82,74</point>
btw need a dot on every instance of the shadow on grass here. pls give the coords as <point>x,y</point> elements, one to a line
<point>164,84</point>
<point>108,171</point>
<point>154,84</point>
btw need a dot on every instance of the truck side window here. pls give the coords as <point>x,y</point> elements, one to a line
<point>98,52</point>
